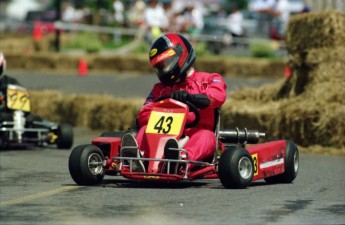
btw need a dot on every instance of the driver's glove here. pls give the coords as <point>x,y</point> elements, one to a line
<point>199,100</point>
<point>181,96</point>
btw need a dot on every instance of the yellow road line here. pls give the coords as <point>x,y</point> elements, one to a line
<point>37,196</point>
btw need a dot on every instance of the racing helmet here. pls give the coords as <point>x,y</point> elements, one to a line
<point>2,64</point>
<point>171,55</point>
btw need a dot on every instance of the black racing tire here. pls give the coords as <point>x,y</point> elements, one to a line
<point>86,165</point>
<point>235,168</point>
<point>64,134</point>
<point>291,165</point>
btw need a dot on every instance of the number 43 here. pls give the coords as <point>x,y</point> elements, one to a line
<point>164,124</point>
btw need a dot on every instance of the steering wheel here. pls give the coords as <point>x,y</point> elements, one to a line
<point>192,108</point>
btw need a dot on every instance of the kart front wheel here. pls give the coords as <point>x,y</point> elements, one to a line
<point>64,134</point>
<point>235,168</point>
<point>86,165</point>
<point>291,165</point>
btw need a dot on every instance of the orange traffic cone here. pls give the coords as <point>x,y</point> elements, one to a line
<point>82,68</point>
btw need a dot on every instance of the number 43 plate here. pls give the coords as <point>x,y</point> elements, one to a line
<point>165,123</point>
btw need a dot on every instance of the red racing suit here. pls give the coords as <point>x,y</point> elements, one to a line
<point>202,141</point>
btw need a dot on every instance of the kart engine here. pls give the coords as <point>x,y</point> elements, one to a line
<point>240,136</point>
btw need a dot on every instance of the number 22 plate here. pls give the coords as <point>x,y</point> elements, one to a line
<point>165,123</point>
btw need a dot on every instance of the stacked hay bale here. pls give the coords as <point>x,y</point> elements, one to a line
<point>99,112</point>
<point>308,107</point>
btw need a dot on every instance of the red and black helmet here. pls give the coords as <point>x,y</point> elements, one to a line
<point>171,55</point>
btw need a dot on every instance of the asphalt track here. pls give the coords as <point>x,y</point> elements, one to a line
<point>36,188</point>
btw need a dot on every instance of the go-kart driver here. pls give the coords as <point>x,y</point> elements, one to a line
<point>5,80</point>
<point>172,57</point>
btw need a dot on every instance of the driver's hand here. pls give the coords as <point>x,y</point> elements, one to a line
<point>190,117</point>
<point>181,96</point>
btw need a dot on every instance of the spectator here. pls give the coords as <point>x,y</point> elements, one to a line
<point>177,22</point>
<point>281,14</point>
<point>263,9</point>
<point>155,20</point>
<point>68,13</point>
<point>118,12</point>
<point>235,22</point>
<point>194,20</point>
<point>306,7</point>
<point>136,14</point>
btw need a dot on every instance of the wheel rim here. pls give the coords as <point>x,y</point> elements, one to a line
<point>95,164</point>
<point>245,168</point>
<point>296,161</point>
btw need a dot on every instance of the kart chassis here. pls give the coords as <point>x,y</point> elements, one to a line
<point>243,161</point>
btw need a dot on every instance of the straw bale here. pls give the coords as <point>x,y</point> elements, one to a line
<point>262,94</point>
<point>325,55</point>
<point>121,63</point>
<point>311,123</point>
<point>316,56</point>
<point>215,65</point>
<point>114,115</point>
<point>94,111</point>
<point>305,77</point>
<point>304,121</point>
<point>249,114</point>
<point>15,44</point>
<point>45,104</point>
<point>315,30</point>
<point>251,67</point>
<point>77,108</point>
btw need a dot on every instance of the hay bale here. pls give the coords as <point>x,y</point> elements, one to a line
<point>76,109</point>
<point>113,115</point>
<point>45,104</point>
<point>250,114</point>
<point>121,63</point>
<point>32,61</point>
<point>310,123</point>
<point>304,121</point>
<point>305,77</point>
<point>316,56</point>
<point>94,111</point>
<point>325,55</point>
<point>250,67</point>
<point>262,94</point>
<point>315,30</point>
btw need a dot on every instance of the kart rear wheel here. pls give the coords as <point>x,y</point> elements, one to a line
<point>235,168</point>
<point>86,165</point>
<point>291,165</point>
<point>64,134</point>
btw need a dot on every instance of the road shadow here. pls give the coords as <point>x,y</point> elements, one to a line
<point>126,183</point>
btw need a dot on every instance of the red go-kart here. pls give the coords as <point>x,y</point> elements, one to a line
<point>242,161</point>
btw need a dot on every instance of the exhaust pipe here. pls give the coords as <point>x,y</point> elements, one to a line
<point>240,136</point>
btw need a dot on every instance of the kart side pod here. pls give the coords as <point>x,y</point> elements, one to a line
<point>240,136</point>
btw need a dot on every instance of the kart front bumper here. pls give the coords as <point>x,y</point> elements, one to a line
<point>188,169</point>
